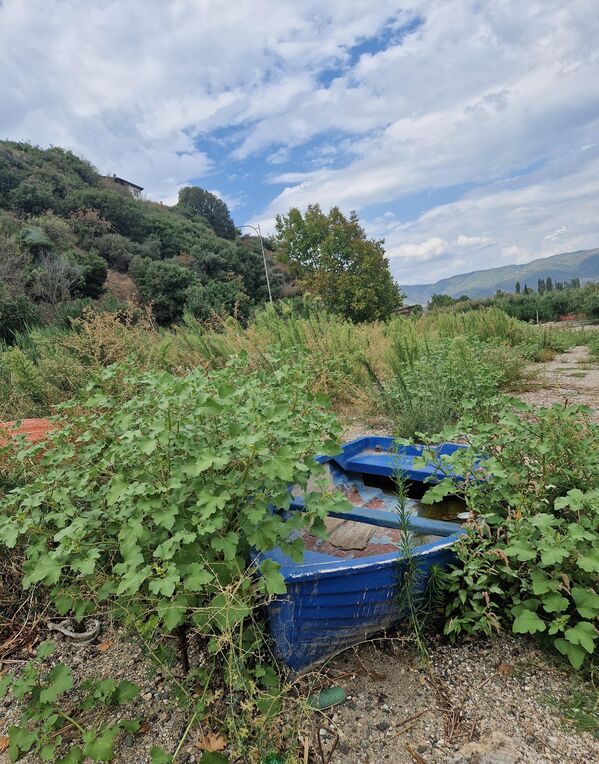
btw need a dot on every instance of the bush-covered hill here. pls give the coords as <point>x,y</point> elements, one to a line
<point>63,226</point>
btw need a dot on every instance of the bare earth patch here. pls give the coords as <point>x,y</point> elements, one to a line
<point>571,377</point>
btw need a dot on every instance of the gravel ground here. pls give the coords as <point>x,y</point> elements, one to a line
<point>571,377</point>
<point>114,655</point>
<point>477,703</point>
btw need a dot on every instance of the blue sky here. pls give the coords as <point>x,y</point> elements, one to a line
<point>464,133</point>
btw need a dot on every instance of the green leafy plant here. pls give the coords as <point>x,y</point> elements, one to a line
<point>151,497</point>
<point>530,560</point>
<point>62,723</point>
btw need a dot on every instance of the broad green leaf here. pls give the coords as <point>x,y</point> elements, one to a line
<point>46,569</point>
<point>227,545</point>
<point>5,683</point>
<point>147,445</point>
<point>543,520</point>
<point>210,757</point>
<point>118,487</point>
<point>553,556</point>
<point>45,649</point>
<point>575,654</point>
<point>20,741</point>
<point>280,464</point>
<point>133,579</point>
<point>541,583</point>
<point>172,613</point>
<point>126,691</point>
<point>555,603</point>
<point>589,562</point>
<point>164,585</point>
<point>582,634</point>
<point>528,623</point>
<point>204,462</point>
<point>275,583</point>
<point>587,602</point>
<point>74,756</point>
<point>48,753</point>
<point>160,756</point>
<point>197,576</point>
<point>60,680</point>
<point>521,551</point>
<point>100,748</point>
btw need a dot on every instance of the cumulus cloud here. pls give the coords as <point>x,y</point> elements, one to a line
<point>472,241</point>
<point>356,104</point>
<point>426,250</point>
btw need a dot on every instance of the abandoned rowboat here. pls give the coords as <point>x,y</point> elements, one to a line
<point>385,457</point>
<point>348,587</point>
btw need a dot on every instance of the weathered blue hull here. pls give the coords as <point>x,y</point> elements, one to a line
<point>383,456</point>
<point>332,602</point>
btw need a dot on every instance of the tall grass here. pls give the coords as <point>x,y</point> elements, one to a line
<point>418,361</point>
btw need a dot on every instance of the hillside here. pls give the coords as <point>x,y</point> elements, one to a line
<point>583,264</point>
<point>69,234</point>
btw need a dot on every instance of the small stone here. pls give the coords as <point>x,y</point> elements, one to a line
<point>382,726</point>
<point>128,741</point>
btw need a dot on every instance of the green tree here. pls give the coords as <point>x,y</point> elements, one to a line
<point>197,202</point>
<point>549,284</point>
<point>441,301</point>
<point>517,287</point>
<point>333,258</point>
<point>163,284</point>
<point>218,298</point>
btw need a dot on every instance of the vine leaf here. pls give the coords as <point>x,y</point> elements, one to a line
<point>528,623</point>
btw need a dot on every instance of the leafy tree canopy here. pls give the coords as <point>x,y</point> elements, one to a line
<point>197,202</point>
<point>333,258</point>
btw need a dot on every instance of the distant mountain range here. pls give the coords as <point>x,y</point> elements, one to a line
<point>583,264</point>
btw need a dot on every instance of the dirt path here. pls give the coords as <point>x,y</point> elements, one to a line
<point>572,376</point>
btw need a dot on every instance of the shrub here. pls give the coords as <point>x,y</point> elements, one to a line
<point>220,298</point>
<point>197,202</point>
<point>17,313</point>
<point>163,284</point>
<point>92,274</point>
<point>151,495</point>
<point>116,250</point>
<point>530,560</point>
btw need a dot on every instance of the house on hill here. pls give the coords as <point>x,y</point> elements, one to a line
<point>133,188</point>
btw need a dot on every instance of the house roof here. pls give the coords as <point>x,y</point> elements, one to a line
<point>124,182</point>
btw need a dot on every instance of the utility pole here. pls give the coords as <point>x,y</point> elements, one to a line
<point>259,232</point>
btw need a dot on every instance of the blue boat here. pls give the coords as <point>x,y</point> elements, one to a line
<point>384,456</point>
<point>344,592</point>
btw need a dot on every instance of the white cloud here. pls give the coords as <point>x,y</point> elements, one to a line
<point>474,94</point>
<point>555,234</point>
<point>473,241</point>
<point>135,85</point>
<point>516,219</point>
<point>426,250</point>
